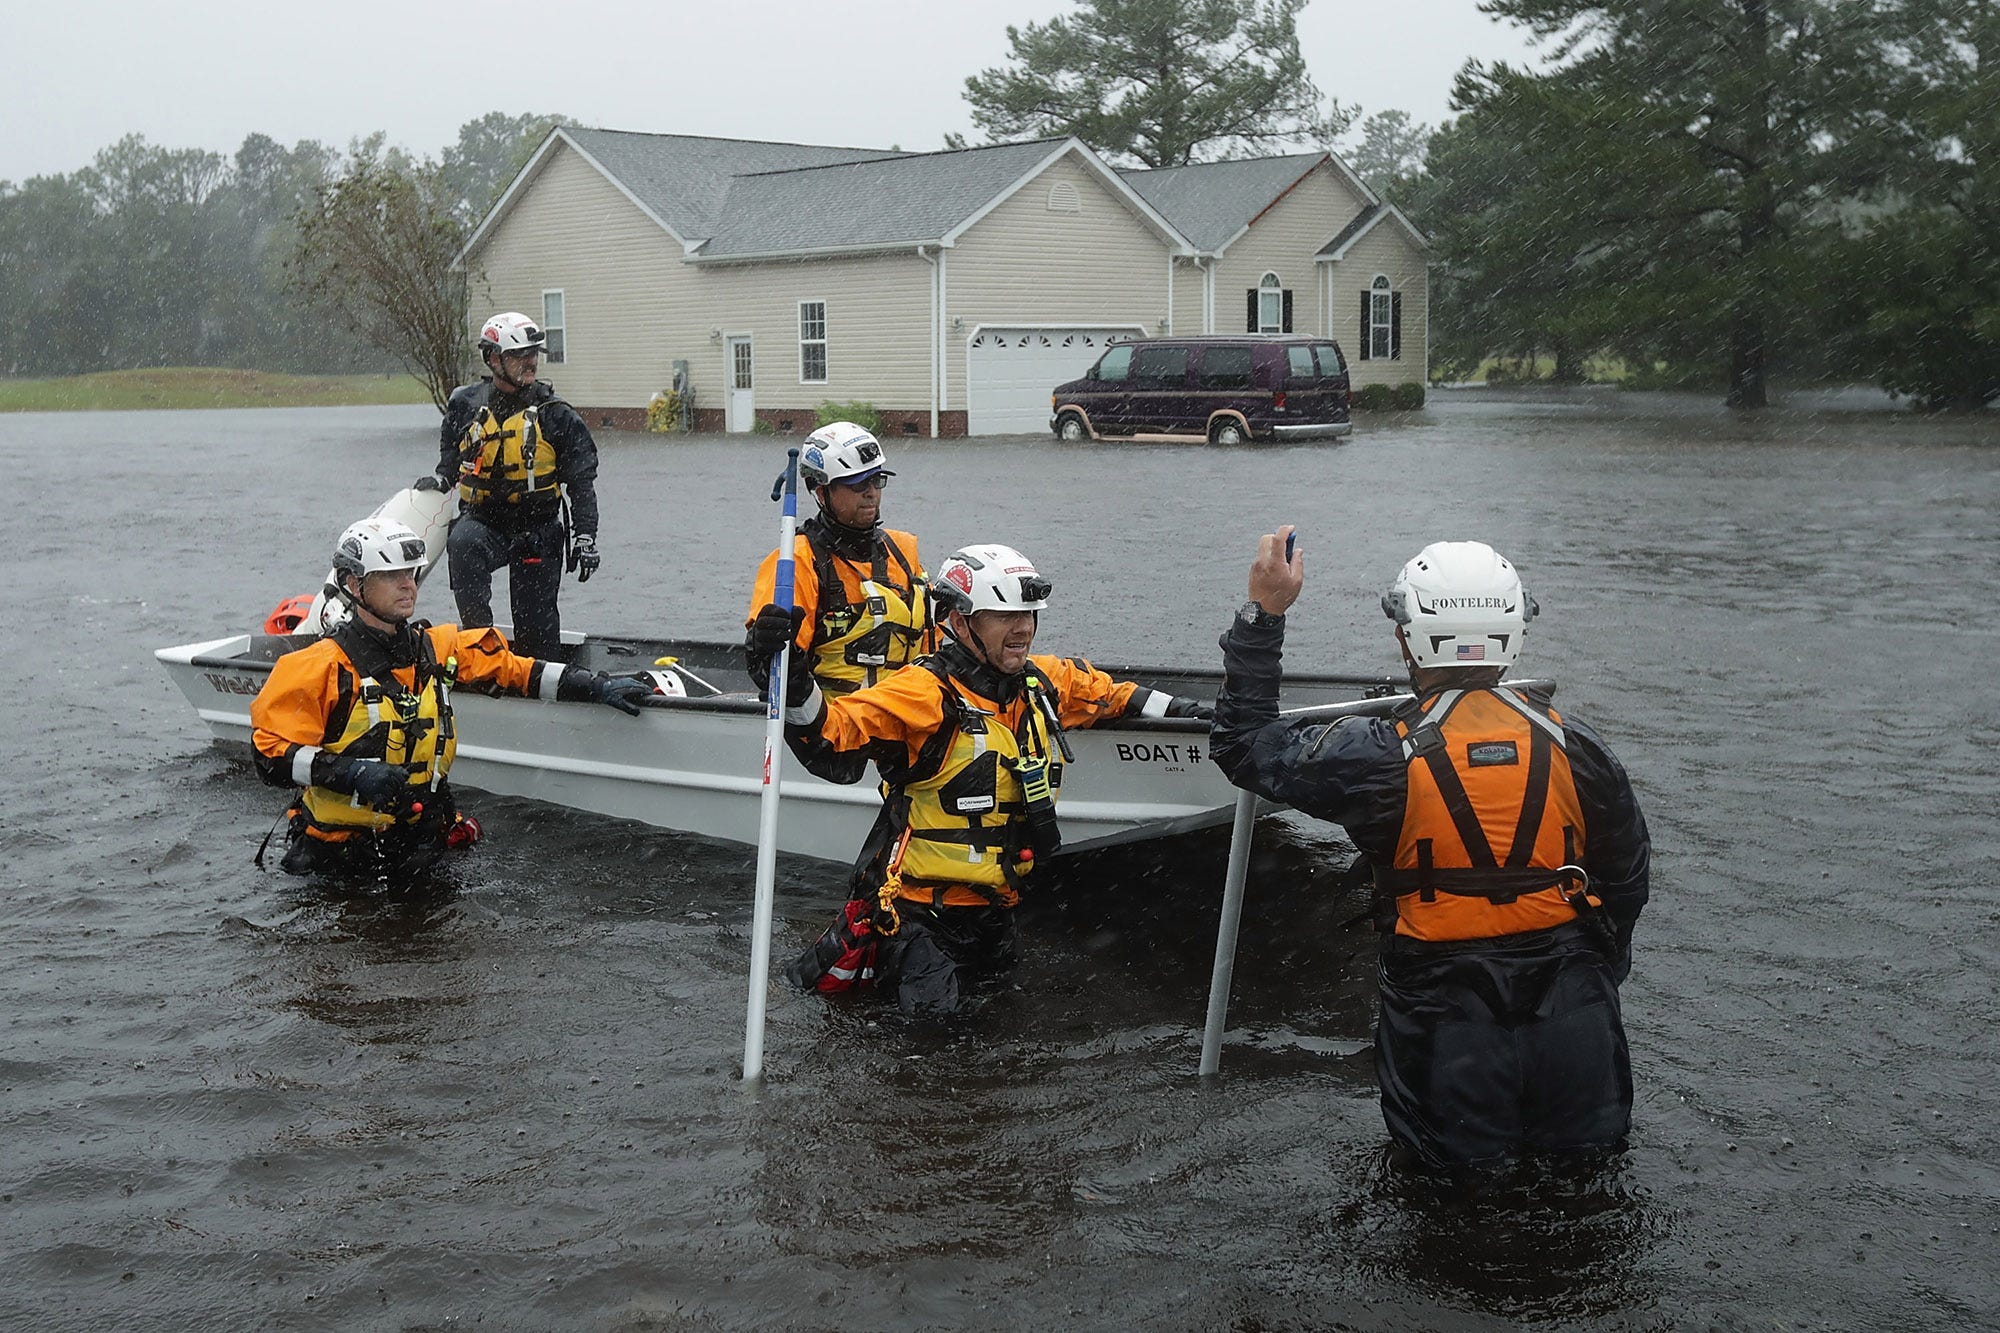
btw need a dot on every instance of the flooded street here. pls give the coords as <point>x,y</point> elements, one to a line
<point>231,1103</point>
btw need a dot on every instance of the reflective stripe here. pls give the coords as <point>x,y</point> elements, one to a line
<point>302,764</point>
<point>807,713</point>
<point>1514,701</point>
<point>1156,704</point>
<point>1435,717</point>
<point>549,682</point>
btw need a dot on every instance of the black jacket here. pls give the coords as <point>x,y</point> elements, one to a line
<point>576,452</point>
<point>1352,772</point>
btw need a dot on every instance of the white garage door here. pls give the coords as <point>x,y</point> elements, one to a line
<point>1010,371</point>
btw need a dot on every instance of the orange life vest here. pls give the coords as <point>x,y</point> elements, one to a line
<point>1492,835</point>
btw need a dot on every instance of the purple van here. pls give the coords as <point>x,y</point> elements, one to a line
<point>1224,388</point>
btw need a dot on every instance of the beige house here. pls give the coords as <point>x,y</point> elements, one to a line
<point>950,290</point>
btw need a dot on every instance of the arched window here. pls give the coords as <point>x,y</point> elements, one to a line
<point>1270,304</point>
<point>1381,331</point>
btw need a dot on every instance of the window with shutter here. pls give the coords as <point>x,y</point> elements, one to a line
<point>1274,305</point>
<point>1380,332</point>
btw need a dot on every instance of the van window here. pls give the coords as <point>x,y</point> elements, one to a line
<point>1226,367</point>
<point>1299,362</point>
<point>1161,363</point>
<point>1117,363</point>
<point>1330,360</point>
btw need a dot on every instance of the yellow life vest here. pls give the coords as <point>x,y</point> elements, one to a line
<point>965,816</point>
<point>506,460</point>
<point>1492,835</point>
<point>862,635</point>
<point>397,726</point>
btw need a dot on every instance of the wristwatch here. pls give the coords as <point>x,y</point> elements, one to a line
<point>1253,613</point>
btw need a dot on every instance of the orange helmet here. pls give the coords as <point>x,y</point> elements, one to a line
<point>286,615</point>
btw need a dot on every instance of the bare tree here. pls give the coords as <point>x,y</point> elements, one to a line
<point>375,253</point>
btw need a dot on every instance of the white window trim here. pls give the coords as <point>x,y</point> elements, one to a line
<point>1381,286</point>
<point>563,327</point>
<point>826,357</point>
<point>1274,286</point>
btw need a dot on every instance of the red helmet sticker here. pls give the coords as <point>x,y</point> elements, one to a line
<point>959,577</point>
<point>491,333</point>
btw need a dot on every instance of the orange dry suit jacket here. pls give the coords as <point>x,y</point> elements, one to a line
<point>306,705</point>
<point>909,723</point>
<point>828,569</point>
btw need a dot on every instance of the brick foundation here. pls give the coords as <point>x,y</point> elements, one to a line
<point>896,424</point>
<point>613,418</point>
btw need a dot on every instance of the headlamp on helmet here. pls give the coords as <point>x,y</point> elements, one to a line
<point>377,546</point>
<point>989,578</point>
<point>511,332</point>
<point>841,451</point>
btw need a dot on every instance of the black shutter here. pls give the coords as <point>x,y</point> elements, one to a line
<point>1364,326</point>
<point>1252,326</point>
<point>1395,325</point>
<point>1288,310</point>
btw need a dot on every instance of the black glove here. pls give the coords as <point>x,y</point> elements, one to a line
<point>378,784</point>
<point>430,481</point>
<point>623,693</point>
<point>798,679</point>
<point>1181,706</point>
<point>583,552</point>
<point>773,628</point>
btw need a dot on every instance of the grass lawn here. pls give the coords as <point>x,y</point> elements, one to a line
<point>203,386</point>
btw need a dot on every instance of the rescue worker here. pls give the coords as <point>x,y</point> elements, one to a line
<point>361,720</point>
<point>968,744</point>
<point>1509,853</point>
<point>526,471</point>
<point>858,589</point>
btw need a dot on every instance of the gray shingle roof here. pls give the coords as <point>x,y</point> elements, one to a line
<point>882,201</point>
<point>683,178</point>
<point>1212,201</point>
<point>1352,229</point>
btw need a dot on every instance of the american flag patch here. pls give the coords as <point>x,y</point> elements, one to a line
<point>1472,652</point>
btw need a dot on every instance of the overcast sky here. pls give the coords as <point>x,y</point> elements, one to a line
<point>865,73</point>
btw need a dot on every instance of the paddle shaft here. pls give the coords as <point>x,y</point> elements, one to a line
<point>767,813</point>
<point>1240,836</point>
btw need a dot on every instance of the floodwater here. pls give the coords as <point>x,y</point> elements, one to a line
<point>231,1104</point>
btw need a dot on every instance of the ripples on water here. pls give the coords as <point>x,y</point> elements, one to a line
<point>231,1102</point>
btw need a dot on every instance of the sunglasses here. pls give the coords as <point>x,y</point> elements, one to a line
<point>878,482</point>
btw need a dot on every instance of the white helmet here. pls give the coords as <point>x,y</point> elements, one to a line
<point>989,578</point>
<point>841,451</point>
<point>1460,605</point>
<point>510,331</point>
<point>377,545</point>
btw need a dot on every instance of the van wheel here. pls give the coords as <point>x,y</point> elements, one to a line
<point>1069,426</point>
<point>1225,431</point>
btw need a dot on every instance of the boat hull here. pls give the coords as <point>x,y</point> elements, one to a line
<point>695,764</point>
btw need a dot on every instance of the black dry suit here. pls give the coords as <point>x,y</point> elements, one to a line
<point>517,460</point>
<point>1485,1047</point>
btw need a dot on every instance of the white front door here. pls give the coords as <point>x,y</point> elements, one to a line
<point>742,398</point>
<point>1010,371</point>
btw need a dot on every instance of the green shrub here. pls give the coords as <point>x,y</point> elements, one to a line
<point>1407,397</point>
<point>1372,398</point>
<point>863,415</point>
<point>759,426</point>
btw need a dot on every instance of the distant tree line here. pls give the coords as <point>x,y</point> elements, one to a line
<point>156,256</point>
<point>1716,191</point>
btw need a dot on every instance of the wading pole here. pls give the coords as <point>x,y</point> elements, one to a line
<point>787,489</point>
<point>1225,932</point>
